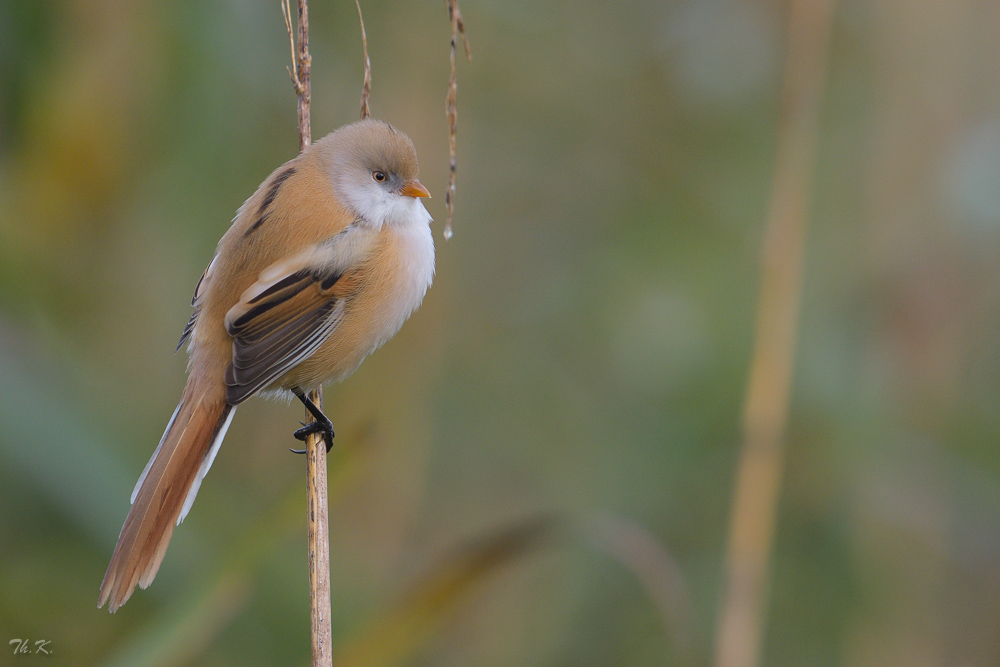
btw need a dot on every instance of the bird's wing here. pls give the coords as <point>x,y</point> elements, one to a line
<point>196,305</point>
<point>282,319</point>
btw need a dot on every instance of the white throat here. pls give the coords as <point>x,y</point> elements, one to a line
<point>376,207</point>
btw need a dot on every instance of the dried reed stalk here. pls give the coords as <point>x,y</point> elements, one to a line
<point>451,106</point>
<point>366,87</point>
<point>741,621</point>
<point>318,533</point>
<point>301,65</point>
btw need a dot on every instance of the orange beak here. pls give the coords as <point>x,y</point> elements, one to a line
<point>415,189</point>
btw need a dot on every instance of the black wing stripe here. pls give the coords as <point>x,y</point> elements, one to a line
<point>187,329</point>
<point>276,184</point>
<point>244,382</point>
<point>246,356</point>
<point>330,281</point>
<point>287,281</point>
<point>262,338</point>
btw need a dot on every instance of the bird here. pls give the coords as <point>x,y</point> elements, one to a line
<point>319,268</point>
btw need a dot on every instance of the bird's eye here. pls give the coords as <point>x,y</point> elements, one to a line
<point>379,176</point>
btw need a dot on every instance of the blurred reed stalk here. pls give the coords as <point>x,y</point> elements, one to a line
<point>318,533</point>
<point>406,627</point>
<point>758,480</point>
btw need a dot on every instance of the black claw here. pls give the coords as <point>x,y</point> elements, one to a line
<point>321,425</point>
<point>307,430</point>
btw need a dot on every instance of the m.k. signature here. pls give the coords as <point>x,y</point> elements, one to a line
<point>22,646</point>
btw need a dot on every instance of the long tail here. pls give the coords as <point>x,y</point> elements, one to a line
<point>166,489</point>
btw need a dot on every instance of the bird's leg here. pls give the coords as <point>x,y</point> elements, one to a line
<point>321,425</point>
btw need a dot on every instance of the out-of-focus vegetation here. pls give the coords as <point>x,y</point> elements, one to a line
<point>583,353</point>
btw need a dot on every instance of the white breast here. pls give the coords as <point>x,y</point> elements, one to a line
<point>402,278</point>
<point>415,271</point>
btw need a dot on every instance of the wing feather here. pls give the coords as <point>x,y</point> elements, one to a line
<point>196,305</point>
<point>279,322</point>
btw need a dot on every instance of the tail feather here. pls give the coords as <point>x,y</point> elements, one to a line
<point>165,490</point>
<point>206,464</point>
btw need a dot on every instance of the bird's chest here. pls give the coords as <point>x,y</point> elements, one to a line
<point>401,273</point>
<point>396,278</point>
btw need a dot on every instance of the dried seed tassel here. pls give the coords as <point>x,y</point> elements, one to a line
<point>451,107</point>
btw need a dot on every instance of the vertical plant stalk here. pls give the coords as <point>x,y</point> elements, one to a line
<point>758,481</point>
<point>451,107</point>
<point>318,533</point>
<point>366,87</point>
<point>301,66</point>
<point>318,536</point>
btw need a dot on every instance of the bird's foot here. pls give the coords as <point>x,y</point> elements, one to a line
<point>326,428</point>
<point>321,425</point>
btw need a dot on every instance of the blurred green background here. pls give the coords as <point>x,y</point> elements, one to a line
<point>583,352</point>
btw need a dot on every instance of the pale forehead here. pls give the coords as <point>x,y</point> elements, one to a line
<point>376,145</point>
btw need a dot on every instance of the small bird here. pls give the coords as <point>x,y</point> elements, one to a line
<point>321,266</point>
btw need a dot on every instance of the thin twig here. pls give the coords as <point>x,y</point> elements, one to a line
<point>366,87</point>
<point>316,487</point>
<point>301,66</point>
<point>293,72</point>
<point>741,621</point>
<point>451,106</point>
